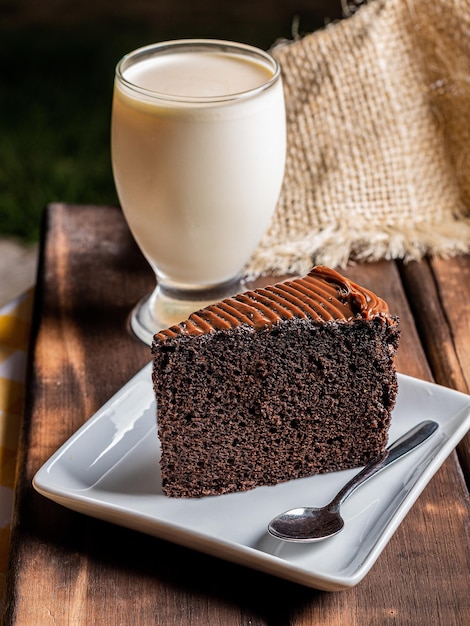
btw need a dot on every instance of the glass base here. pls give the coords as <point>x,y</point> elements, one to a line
<point>164,308</point>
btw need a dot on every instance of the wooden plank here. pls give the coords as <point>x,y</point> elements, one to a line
<point>453,286</point>
<point>439,291</point>
<point>437,307</point>
<point>68,568</point>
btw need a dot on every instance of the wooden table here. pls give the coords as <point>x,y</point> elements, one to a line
<point>67,568</point>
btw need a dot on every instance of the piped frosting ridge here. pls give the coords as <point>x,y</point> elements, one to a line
<point>323,295</point>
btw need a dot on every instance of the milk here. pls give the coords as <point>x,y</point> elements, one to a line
<point>198,168</point>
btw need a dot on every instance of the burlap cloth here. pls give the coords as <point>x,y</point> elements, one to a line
<point>378,146</point>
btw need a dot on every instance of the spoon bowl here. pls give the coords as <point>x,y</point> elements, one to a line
<point>308,524</point>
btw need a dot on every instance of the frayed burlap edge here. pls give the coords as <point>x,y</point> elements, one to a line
<point>338,245</point>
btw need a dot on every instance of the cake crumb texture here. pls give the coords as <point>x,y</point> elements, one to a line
<point>245,407</point>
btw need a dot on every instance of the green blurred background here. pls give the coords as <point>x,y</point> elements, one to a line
<point>57,60</point>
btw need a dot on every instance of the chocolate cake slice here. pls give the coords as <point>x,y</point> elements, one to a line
<point>275,384</point>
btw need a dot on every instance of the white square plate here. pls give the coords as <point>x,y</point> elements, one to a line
<point>109,469</point>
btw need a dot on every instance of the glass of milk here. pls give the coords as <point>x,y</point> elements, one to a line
<point>198,152</point>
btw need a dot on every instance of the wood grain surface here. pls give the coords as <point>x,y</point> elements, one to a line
<point>67,568</point>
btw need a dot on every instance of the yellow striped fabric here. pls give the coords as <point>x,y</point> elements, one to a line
<point>15,325</point>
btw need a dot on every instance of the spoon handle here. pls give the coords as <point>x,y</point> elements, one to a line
<point>404,444</point>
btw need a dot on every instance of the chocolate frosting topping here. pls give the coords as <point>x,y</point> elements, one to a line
<point>323,295</point>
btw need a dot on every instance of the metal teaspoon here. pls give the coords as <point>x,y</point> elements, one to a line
<point>313,524</point>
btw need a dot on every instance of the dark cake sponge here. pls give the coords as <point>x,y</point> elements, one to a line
<point>261,403</point>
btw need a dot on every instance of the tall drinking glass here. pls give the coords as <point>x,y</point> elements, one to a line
<point>198,152</point>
